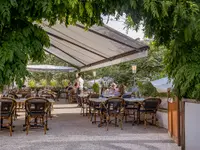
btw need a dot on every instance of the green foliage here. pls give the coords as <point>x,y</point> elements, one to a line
<point>147,89</point>
<point>176,25</point>
<point>65,83</point>
<point>53,83</point>
<point>96,87</point>
<point>32,83</point>
<point>172,23</point>
<point>43,82</point>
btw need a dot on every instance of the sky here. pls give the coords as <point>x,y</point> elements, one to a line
<point>119,25</point>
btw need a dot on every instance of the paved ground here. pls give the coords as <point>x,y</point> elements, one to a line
<point>70,131</point>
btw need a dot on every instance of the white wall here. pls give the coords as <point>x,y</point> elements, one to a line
<point>162,119</point>
<point>192,126</point>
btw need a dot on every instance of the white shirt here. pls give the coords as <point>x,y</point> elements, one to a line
<point>81,82</point>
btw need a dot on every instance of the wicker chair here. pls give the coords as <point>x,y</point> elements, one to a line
<point>149,106</point>
<point>131,109</point>
<point>37,110</point>
<point>94,108</point>
<point>72,96</point>
<point>47,95</point>
<point>7,111</point>
<point>85,105</point>
<point>113,107</point>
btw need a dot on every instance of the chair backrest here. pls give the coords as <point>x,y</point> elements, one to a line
<point>24,93</point>
<point>47,95</point>
<point>151,103</point>
<point>114,105</point>
<point>13,96</point>
<point>28,95</point>
<point>93,95</point>
<point>37,105</point>
<point>126,96</point>
<point>7,105</point>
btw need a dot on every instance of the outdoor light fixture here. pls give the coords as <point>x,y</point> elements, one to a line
<point>76,75</point>
<point>94,73</point>
<point>134,68</point>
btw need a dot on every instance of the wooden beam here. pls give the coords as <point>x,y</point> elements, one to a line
<point>115,57</point>
<point>62,59</point>
<point>67,54</point>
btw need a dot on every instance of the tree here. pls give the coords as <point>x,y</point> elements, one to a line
<point>172,23</point>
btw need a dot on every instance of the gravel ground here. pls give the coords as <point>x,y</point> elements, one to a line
<point>71,131</point>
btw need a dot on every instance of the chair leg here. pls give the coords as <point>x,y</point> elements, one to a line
<point>1,123</point>
<point>155,119</point>
<point>145,120</point>
<point>45,125</point>
<point>138,117</point>
<point>152,119</point>
<point>46,122</point>
<point>133,122</point>
<point>121,122</point>
<point>107,121</point>
<point>95,117</point>
<point>10,125</point>
<point>83,105</point>
<point>89,113</point>
<point>115,121</point>
<point>125,115</point>
<point>27,125</point>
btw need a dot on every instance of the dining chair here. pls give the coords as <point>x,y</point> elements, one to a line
<point>149,107</point>
<point>93,107</point>
<point>113,108</point>
<point>7,112</point>
<point>85,104</point>
<point>37,110</point>
<point>131,109</point>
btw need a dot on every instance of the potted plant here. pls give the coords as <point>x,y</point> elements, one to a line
<point>43,82</point>
<point>53,83</point>
<point>96,87</point>
<point>32,84</point>
<point>65,83</point>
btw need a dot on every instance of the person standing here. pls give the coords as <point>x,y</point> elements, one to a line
<point>80,83</point>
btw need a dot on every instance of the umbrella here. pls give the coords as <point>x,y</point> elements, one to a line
<point>50,68</point>
<point>162,85</point>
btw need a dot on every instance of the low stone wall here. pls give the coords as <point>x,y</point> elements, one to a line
<point>162,117</point>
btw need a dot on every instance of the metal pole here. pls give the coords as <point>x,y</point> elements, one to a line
<point>134,80</point>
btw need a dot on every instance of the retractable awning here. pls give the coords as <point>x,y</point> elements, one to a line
<point>50,68</point>
<point>98,47</point>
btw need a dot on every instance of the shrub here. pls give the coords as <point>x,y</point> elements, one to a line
<point>43,82</point>
<point>65,83</point>
<point>53,83</point>
<point>147,89</point>
<point>31,83</point>
<point>96,87</point>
